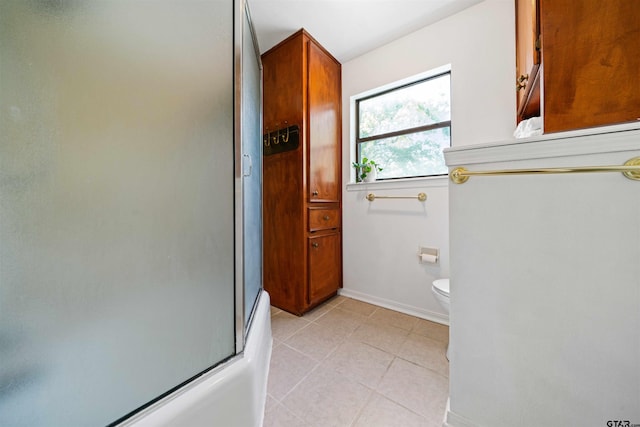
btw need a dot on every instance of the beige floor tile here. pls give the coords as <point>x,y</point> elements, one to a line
<point>360,362</point>
<point>270,403</point>
<point>433,330</point>
<point>341,321</point>
<point>275,310</point>
<point>284,324</point>
<point>336,301</point>
<point>359,307</point>
<point>384,337</point>
<point>326,398</point>
<point>364,348</point>
<point>419,389</point>
<point>279,416</point>
<point>426,352</point>
<point>276,342</point>
<point>288,367</point>
<point>316,341</point>
<point>384,316</point>
<point>317,312</point>
<point>382,412</point>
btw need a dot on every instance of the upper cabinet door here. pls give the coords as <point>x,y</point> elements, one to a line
<point>528,57</point>
<point>591,63</point>
<point>283,86</point>
<point>324,98</point>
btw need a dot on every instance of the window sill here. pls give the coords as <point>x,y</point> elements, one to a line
<point>429,181</point>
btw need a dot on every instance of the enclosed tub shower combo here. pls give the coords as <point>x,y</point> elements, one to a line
<point>130,215</point>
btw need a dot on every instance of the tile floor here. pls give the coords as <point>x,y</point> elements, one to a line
<point>349,363</point>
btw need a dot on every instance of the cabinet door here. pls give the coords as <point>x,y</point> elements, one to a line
<point>591,63</point>
<point>324,266</point>
<point>283,85</point>
<point>528,57</point>
<point>324,125</point>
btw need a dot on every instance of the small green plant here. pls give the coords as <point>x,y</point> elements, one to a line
<point>364,168</point>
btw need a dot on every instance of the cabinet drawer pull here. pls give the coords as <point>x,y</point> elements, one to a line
<point>323,218</point>
<point>315,193</point>
<point>315,244</point>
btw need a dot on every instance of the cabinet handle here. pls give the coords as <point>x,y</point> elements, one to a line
<point>315,244</point>
<point>521,83</point>
<point>247,171</point>
<point>315,193</point>
<point>326,217</point>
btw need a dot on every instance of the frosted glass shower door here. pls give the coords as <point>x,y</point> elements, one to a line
<point>252,157</point>
<point>116,204</point>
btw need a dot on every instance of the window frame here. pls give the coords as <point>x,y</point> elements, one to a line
<point>408,131</point>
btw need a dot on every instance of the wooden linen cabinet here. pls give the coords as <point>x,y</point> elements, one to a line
<point>302,180</point>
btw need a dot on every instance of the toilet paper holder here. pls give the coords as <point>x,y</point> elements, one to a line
<point>428,255</point>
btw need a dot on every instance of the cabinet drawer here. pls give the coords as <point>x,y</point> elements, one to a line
<point>323,219</point>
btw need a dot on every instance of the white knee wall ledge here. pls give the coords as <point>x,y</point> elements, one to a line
<point>544,333</point>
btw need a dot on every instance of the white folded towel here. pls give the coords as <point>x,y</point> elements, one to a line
<point>529,127</point>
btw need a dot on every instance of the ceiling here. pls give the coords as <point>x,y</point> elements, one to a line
<point>347,28</point>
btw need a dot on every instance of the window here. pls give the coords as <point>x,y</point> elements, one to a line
<point>405,129</point>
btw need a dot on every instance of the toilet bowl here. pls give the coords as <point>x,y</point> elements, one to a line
<point>440,289</point>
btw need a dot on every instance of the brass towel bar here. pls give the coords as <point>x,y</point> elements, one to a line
<point>631,169</point>
<point>421,196</point>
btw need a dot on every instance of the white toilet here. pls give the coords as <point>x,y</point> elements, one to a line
<point>440,289</point>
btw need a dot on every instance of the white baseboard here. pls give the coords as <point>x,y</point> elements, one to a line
<point>396,306</point>
<point>454,420</point>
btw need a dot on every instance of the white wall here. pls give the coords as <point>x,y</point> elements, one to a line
<point>381,238</point>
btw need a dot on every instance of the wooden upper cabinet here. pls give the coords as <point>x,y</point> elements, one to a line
<point>591,62</point>
<point>283,82</point>
<point>324,89</point>
<point>527,58</point>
